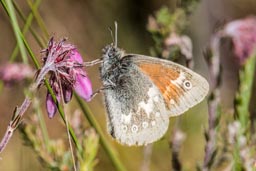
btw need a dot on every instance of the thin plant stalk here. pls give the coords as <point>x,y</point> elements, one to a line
<point>38,18</point>
<point>14,123</point>
<point>26,27</point>
<point>67,124</point>
<point>16,30</point>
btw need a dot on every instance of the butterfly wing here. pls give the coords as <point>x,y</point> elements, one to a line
<point>136,110</point>
<point>181,88</point>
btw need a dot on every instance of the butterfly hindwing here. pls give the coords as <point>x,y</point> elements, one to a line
<point>136,110</point>
<point>180,87</point>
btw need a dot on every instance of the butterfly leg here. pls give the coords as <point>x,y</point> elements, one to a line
<point>100,90</point>
<point>91,63</point>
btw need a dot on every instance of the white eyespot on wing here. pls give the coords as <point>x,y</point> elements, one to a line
<point>187,85</point>
<point>144,124</point>
<point>134,128</point>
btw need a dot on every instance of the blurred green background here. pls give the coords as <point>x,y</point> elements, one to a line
<point>85,23</point>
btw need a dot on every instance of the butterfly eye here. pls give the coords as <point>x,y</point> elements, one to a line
<point>187,84</point>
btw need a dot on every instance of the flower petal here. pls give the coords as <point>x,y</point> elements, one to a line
<point>50,106</point>
<point>75,55</point>
<point>83,86</point>
<point>67,93</point>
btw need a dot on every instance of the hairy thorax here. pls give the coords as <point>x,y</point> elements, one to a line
<point>114,66</point>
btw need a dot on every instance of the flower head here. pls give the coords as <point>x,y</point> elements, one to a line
<point>243,34</point>
<point>15,72</point>
<point>182,42</point>
<point>65,65</point>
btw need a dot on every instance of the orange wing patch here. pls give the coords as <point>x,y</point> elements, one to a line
<point>161,77</point>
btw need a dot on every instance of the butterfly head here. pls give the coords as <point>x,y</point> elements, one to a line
<point>111,52</point>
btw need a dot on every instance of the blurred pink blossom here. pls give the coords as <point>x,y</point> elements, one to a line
<point>183,42</point>
<point>65,65</point>
<point>14,72</point>
<point>243,34</point>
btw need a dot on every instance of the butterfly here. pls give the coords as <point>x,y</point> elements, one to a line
<point>142,92</point>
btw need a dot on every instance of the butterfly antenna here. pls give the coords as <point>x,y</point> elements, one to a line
<point>111,33</point>
<point>115,34</point>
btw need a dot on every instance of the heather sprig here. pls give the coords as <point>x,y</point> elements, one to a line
<point>65,65</point>
<point>61,60</point>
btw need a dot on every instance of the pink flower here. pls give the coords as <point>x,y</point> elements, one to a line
<point>183,42</point>
<point>243,34</point>
<point>14,72</point>
<point>65,65</point>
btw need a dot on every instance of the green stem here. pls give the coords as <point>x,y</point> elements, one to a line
<point>16,30</point>
<point>26,27</point>
<point>107,147</point>
<point>38,19</point>
<point>23,18</point>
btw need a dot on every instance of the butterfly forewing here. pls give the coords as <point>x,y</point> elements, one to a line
<point>136,110</point>
<point>180,87</point>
